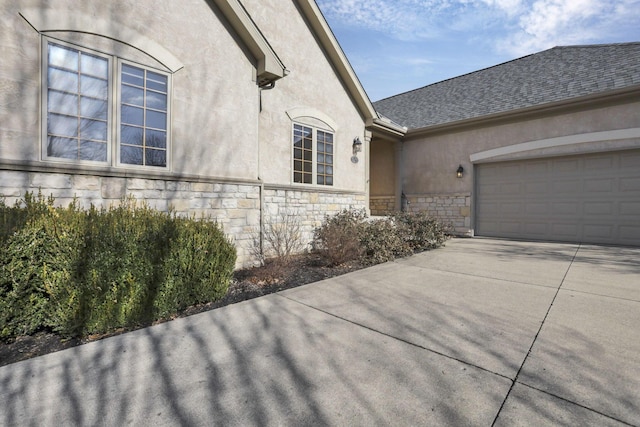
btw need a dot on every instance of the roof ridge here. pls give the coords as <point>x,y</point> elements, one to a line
<point>507,62</point>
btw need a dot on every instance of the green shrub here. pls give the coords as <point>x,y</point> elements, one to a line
<point>82,272</point>
<point>382,242</point>
<point>349,236</point>
<point>337,239</point>
<point>421,231</point>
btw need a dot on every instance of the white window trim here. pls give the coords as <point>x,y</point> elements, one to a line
<point>113,112</point>
<point>314,155</point>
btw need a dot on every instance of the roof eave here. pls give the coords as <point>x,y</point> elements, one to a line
<point>269,68</point>
<point>628,94</point>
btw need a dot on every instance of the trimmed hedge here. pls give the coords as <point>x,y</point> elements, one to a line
<point>80,272</point>
<point>349,235</point>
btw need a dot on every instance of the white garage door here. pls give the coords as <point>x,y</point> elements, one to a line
<point>592,198</point>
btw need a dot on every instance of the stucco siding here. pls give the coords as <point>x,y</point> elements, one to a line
<point>213,126</point>
<point>312,83</point>
<point>430,162</point>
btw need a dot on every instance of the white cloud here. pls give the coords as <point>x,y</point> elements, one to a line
<point>513,27</point>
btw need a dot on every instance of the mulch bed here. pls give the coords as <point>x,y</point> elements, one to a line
<point>246,284</point>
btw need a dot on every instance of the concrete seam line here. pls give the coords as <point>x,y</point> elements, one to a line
<point>576,403</point>
<point>535,338</point>
<point>395,338</point>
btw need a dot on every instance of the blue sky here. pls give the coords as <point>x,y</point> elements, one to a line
<point>398,45</point>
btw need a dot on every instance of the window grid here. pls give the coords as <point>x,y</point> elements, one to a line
<point>79,122</point>
<point>325,158</point>
<point>143,136</point>
<point>77,104</point>
<point>302,154</point>
<point>313,152</point>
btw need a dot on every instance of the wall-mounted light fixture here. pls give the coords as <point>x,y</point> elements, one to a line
<point>357,145</point>
<point>460,171</point>
<point>356,148</point>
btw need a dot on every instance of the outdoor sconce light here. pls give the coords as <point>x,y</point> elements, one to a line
<point>357,147</point>
<point>460,171</point>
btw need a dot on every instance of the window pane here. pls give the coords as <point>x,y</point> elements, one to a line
<point>156,81</point>
<point>63,57</point>
<point>156,120</point>
<point>297,165</point>
<point>320,147</point>
<point>321,169</point>
<point>131,135</point>
<point>329,170</point>
<point>131,155</point>
<point>297,177</point>
<point>132,95</point>
<point>62,80</point>
<point>329,148</point>
<point>307,178</point>
<point>297,154</point>
<point>328,180</point>
<point>156,100</point>
<point>307,143</point>
<point>328,160</point>
<point>321,180</point>
<point>62,125</point>
<point>308,155</point>
<point>307,167</point>
<point>320,158</point>
<point>58,102</point>
<point>93,108</point>
<point>62,147</point>
<point>93,129</point>
<point>96,151</point>
<point>91,86</point>
<point>94,65</point>
<point>132,75</point>
<point>132,115</point>
<point>156,157</point>
<point>156,138</point>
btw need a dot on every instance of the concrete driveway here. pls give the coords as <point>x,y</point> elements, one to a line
<point>482,332</point>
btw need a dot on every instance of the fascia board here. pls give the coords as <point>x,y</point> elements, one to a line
<point>338,58</point>
<point>269,66</point>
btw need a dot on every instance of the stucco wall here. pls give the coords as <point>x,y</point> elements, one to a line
<point>214,99</point>
<point>312,84</point>
<point>430,161</point>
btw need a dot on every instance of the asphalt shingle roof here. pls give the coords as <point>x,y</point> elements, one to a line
<point>557,74</point>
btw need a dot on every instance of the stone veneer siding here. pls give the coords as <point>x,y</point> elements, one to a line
<point>453,209</point>
<point>309,205</point>
<point>236,206</point>
<point>382,205</point>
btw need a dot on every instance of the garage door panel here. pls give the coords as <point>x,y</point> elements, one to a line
<point>536,208</point>
<point>629,234</point>
<point>539,229</point>
<point>561,166</point>
<point>599,232</point>
<point>599,185</point>
<point>567,186</point>
<point>599,208</point>
<point>630,208</point>
<point>630,184</point>
<point>565,208</point>
<point>592,198</point>
<point>604,163</point>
